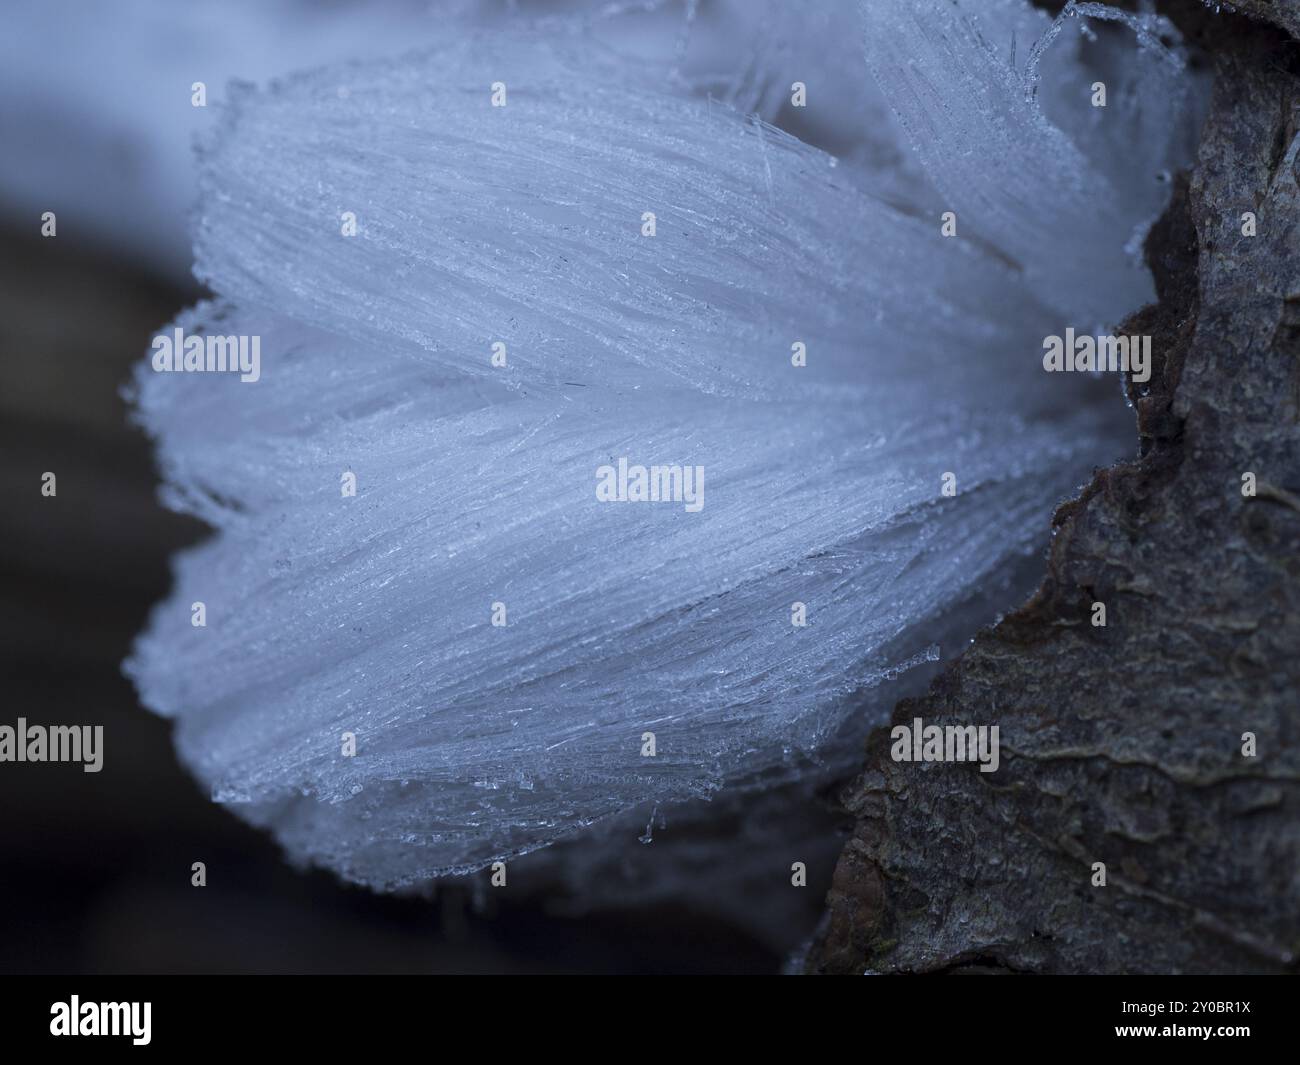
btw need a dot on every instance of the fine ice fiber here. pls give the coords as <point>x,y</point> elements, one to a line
<point>499,286</point>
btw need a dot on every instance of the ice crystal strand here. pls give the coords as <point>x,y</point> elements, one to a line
<point>1010,174</point>
<point>479,224</point>
<point>372,615</point>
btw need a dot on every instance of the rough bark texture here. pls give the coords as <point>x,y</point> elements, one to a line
<point>1286,13</point>
<point>1123,744</point>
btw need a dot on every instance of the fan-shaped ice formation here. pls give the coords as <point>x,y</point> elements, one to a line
<point>477,483</point>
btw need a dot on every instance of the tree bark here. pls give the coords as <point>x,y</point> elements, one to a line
<point>1124,744</point>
